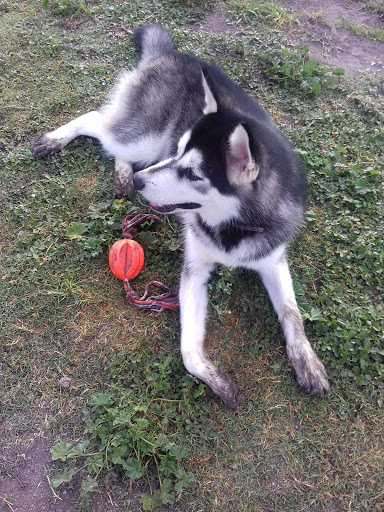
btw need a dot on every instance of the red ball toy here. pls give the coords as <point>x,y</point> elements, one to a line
<point>126,259</point>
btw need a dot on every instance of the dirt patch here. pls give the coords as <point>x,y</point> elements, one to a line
<point>320,27</point>
<point>334,11</point>
<point>216,23</point>
<point>330,42</point>
<point>24,486</point>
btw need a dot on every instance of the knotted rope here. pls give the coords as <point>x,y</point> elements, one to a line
<point>167,300</point>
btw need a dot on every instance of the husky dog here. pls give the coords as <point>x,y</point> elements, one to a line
<point>218,162</point>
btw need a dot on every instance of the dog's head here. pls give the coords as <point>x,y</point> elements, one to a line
<point>214,159</point>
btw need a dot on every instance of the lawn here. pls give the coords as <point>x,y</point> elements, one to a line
<point>133,431</point>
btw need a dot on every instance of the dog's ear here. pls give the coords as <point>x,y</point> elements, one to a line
<point>210,102</point>
<point>241,166</point>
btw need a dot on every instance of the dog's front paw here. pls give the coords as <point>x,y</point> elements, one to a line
<point>123,190</point>
<point>310,374</point>
<point>228,391</point>
<point>123,182</point>
<point>45,146</point>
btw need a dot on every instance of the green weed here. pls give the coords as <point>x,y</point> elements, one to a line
<point>377,5</point>
<point>140,428</point>
<point>69,7</point>
<point>295,68</point>
<point>100,227</point>
<point>248,10</point>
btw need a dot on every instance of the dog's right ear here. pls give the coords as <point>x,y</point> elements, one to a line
<point>241,166</point>
<point>210,102</point>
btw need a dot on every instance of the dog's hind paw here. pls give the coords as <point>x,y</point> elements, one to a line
<point>311,376</point>
<point>45,146</point>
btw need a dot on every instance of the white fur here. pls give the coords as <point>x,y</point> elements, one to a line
<point>194,298</point>
<point>191,159</point>
<point>153,146</point>
<point>112,108</point>
<point>94,124</point>
<point>210,102</point>
<point>310,371</point>
<point>182,143</point>
<point>91,124</point>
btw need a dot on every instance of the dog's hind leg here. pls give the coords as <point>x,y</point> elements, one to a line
<point>91,124</point>
<point>94,125</point>
<point>309,371</point>
<point>193,306</point>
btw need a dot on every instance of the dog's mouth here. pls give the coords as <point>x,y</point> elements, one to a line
<point>168,208</point>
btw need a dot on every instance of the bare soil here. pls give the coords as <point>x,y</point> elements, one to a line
<point>328,41</point>
<point>320,27</point>
<point>216,23</point>
<point>25,486</point>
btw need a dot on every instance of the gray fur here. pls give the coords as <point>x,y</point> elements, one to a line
<point>150,106</point>
<point>155,42</point>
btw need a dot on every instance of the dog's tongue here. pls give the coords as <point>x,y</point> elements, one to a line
<point>162,208</point>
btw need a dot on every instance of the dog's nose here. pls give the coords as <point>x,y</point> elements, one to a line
<point>138,182</point>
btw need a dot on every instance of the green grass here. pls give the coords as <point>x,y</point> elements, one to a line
<point>63,312</point>
<point>268,12</point>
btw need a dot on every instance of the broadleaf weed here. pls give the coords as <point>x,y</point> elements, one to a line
<point>292,68</point>
<point>138,428</point>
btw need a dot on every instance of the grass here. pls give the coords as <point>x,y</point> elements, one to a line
<point>63,313</point>
<point>269,12</point>
<point>372,32</point>
<point>377,5</point>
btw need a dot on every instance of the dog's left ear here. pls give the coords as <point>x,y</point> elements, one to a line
<point>210,102</point>
<point>241,166</point>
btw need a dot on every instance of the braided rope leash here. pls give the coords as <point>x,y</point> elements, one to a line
<point>166,300</point>
<point>133,219</point>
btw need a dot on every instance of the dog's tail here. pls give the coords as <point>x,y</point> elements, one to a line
<point>154,41</point>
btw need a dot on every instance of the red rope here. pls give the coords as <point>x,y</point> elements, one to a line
<point>132,219</point>
<point>167,300</point>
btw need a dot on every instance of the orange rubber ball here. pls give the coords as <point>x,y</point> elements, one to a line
<point>126,259</point>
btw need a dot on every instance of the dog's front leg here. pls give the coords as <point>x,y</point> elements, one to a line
<point>123,179</point>
<point>309,371</point>
<point>193,308</point>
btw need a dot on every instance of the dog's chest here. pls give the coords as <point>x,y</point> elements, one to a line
<point>232,247</point>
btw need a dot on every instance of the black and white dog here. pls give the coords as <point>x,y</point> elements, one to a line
<point>224,168</point>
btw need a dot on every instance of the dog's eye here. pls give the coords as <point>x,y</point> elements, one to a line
<point>191,175</point>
